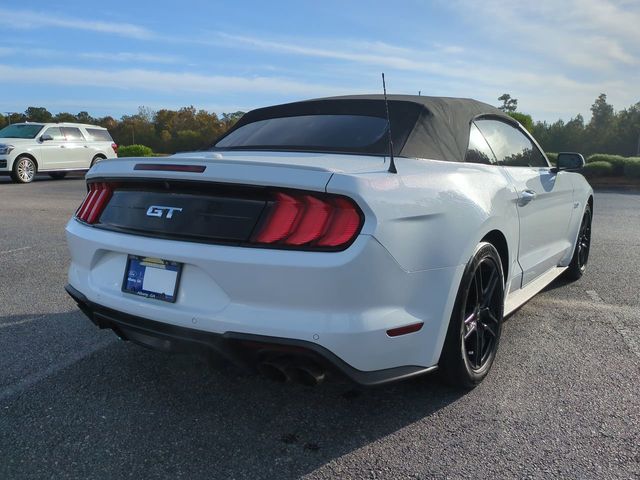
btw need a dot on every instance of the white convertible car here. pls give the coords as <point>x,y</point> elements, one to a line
<point>299,246</point>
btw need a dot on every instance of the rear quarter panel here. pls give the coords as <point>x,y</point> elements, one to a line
<point>433,213</point>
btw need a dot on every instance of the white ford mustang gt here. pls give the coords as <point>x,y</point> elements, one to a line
<point>299,246</point>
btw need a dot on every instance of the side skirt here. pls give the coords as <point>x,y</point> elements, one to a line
<point>518,298</point>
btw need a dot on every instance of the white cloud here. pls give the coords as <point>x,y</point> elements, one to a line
<point>26,19</point>
<point>589,34</point>
<point>471,69</point>
<point>131,57</point>
<point>153,80</point>
<point>65,55</point>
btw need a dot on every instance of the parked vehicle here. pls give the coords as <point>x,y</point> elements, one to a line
<point>292,245</point>
<point>54,148</point>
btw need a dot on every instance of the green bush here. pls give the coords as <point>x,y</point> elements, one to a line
<point>632,168</point>
<point>616,161</point>
<point>135,151</point>
<point>553,157</point>
<point>598,169</point>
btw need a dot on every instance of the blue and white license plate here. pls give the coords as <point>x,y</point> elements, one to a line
<point>152,278</point>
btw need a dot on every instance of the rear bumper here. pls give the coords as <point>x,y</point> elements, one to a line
<point>241,348</point>
<point>342,301</point>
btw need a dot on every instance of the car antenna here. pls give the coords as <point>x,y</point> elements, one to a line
<point>392,164</point>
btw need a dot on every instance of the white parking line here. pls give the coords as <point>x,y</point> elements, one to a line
<point>623,318</point>
<point>21,322</point>
<point>31,380</point>
<point>594,296</point>
<point>7,252</point>
<point>22,249</point>
<point>629,331</point>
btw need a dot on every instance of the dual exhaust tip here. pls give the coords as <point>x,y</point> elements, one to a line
<point>295,370</point>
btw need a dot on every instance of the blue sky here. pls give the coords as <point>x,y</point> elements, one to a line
<point>108,58</point>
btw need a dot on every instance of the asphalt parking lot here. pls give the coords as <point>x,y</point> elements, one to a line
<point>75,402</point>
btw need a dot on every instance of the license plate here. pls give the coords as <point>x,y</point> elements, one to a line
<point>152,278</point>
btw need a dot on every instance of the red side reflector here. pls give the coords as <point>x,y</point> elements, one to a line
<point>165,167</point>
<point>414,327</point>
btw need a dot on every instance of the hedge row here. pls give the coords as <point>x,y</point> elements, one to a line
<point>617,167</point>
<point>603,165</point>
<point>617,162</point>
<point>135,151</point>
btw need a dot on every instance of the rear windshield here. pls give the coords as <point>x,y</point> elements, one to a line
<point>327,133</point>
<point>99,135</point>
<point>20,130</point>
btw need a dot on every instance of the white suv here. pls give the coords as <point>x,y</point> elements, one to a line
<point>53,148</point>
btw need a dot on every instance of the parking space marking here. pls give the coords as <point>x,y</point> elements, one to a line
<point>623,318</point>
<point>21,322</point>
<point>22,249</point>
<point>54,368</point>
<point>8,252</point>
<point>594,296</point>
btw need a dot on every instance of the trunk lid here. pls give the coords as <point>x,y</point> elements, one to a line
<point>309,171</point>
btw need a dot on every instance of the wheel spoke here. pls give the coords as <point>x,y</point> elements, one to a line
<point>488,328</point>
<point>473,328</point>
<point>491,287</point>
<point>470,318</point>
<point>478,284</point>
<point>479,345</point>
<point>492,317</point>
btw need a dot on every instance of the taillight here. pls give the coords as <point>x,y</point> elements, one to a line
<point>95,201</point>
<point>303,220</point>
<point>115,147</point>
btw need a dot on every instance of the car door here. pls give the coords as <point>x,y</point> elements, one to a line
<point>78,153</point>
<point>545,198</point>
<point>52,150</point>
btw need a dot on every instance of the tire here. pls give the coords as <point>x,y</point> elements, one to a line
<point>96,159</point>
<point>24,170</point>
<point>474,330</point>
<point>58,175</point>
<point>580,258</point>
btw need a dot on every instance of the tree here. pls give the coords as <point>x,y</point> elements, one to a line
<point>38,114</point>
<point>3,121</point>
<point>229,119</point>
<point>84,117</point>
<point>508,104</point>
<point>602,127</point>
<point>64,117</point>
<point>601,113</point>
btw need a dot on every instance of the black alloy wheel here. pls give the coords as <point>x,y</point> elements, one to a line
<point>481,325</point>
<point>578,264</point>
<point>476,322</point>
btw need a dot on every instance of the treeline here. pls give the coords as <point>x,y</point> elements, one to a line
<point>608,131</point>
<point>170,131</point>
<point>164,131</point>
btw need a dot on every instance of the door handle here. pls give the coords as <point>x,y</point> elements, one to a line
<point>62,146</point>
<point>526,196</point>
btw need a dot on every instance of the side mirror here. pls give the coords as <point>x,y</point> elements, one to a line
<point>569,161</point>
<point>46,137</point>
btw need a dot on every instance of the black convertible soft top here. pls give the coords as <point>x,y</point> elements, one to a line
<point>422,127</point>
